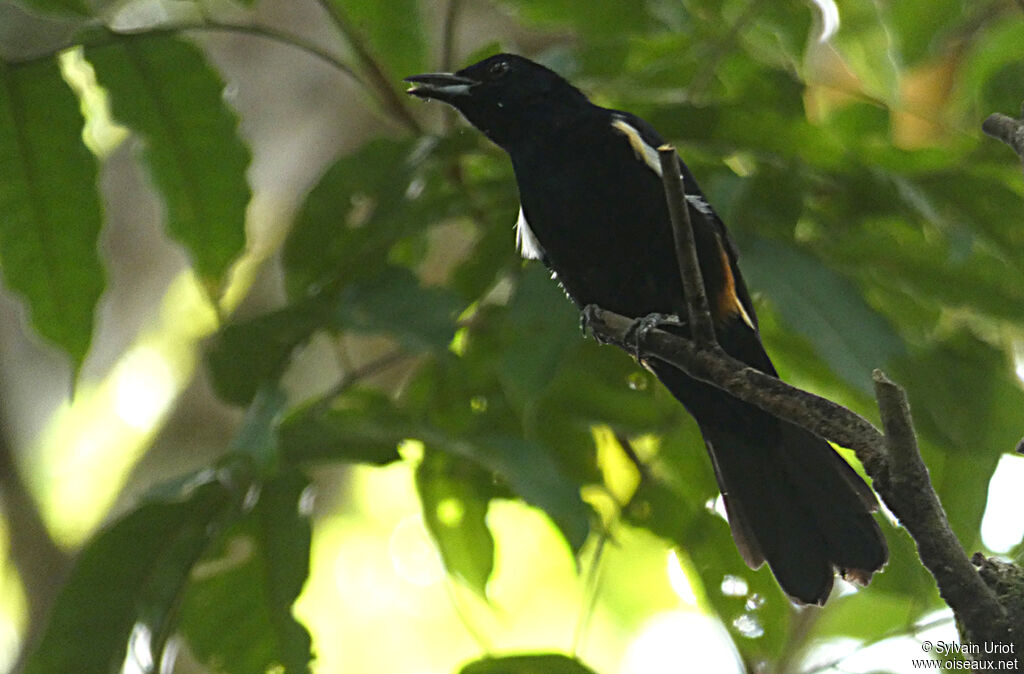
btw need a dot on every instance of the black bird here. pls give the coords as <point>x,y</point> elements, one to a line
<point>594,212</point>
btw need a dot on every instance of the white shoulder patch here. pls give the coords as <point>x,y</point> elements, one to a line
<point>526,242</point>
<point>649,156</point>
<point>641,149</point>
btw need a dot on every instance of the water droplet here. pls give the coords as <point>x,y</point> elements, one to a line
<point>251,498</point>
<point>637,381</point>
<point>307,501</point>
<point>415,188</point>
<point>734,586</point>
<point>748,626</point>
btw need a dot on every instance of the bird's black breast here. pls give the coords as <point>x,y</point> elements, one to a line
<point>599,214</point>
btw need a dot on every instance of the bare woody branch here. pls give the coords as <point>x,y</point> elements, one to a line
<point>1008,130</point>
<point>699,313</point>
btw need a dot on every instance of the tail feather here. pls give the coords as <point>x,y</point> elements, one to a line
<point>792,500</point>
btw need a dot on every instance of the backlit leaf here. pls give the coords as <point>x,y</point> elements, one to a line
<point>163,89</point>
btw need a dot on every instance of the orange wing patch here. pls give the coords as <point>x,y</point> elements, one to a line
<point>729,303</point>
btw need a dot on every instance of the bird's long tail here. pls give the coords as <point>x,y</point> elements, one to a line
<point>792,500</point>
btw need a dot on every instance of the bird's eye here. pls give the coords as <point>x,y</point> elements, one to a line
<point>498,68</point>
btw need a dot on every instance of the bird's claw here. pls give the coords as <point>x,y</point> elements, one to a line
<point>642,326</point>
<point>588,315</point>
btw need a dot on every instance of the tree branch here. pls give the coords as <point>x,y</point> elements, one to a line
<point>907,490</point>
<point>1007,129</point>
<point>892,459</point>
<point>381,82</point>
<point>701,327</point>
<point>712,365</point>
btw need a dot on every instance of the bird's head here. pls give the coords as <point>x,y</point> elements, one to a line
<point>507,97</point>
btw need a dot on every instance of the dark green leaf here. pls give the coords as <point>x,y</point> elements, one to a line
<point>922,25</point>
<point>455,494</point>
<point>255,437</point>
<point>361,426</point>
<point>824,307</point>
<point>532,474</point>
<point>603,18</point>
<point>49,210</point>
<point>127,584</point>
<point>527,664</point>
<point>705,538</point>
<point>993,70</point>
<point>166,92</point>
<point>394,33</point>
<point>905,577</point>
<point>397,304</point>
<point>351,218</point>
<point>237,613</point>
<point>540,326</point>
<point>78,7</point>
<point>248,354</point>
<point>966,401</point>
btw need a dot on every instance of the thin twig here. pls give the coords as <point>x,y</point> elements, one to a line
<point>593,581</point>
<point>101,37</point>
<point>701,327</point>
<point>475,633</point>
<point>592,585</point>
<point>381,82</point>
<point>352,377</point>
<point>451,15</point>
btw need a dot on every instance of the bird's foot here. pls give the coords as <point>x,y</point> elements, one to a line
<point>643,325</point>
<point>589,315</point>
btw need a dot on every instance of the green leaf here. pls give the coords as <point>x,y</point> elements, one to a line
<point>165,91</point>
<point>350,219</point>
<point>704,537</point>
<point>79,7</point>
<point>967,402</point>
<point>533,475</point>
<point>256,438</point>
<point>50,213</point>
<point>397,304</point>
<point>455,494</point>
<point>361,426</point>
<point>552,663</point>
<point>237,614</point>
<point>540,326</point>
<point>394,33</point>
<point>603,19</point>
<point>923,25</point>
<point>127,584</point>
<point>248,354</point>
<point>824,307</point>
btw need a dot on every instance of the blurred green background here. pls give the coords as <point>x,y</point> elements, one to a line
<point>274,382</point>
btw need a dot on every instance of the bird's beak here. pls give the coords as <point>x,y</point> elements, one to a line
<point>440,86</point>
